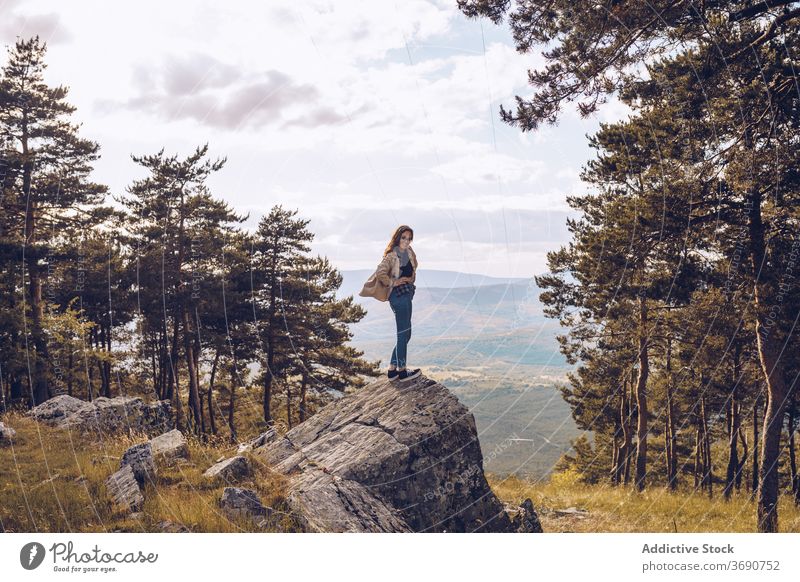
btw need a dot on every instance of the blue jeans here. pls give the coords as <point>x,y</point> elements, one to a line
<point>401,306</point>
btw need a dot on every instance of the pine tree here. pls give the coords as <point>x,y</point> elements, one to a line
<point>280,241</point>
<point>47,188</point>
<point>629,256</point>
<point>228,325</point>
<point>320,356</point>
<point>176,230</point>
<point>728,64</point>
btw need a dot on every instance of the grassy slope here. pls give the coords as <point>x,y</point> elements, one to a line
<point>52,480</point>
<point>618,509</point>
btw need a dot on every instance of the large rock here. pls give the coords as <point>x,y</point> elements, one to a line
<point>230,470</point>
<point>7,434</point>
<point>124,489</point>
<point>119,414</point>
<point>390,457</point>
<point>140,459</point>
<point>264,438</point>
<point>236,501</point>
<point>170,446</point>
<point>525,519</point>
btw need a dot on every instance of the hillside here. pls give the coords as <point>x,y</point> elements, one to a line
<point>565,505</point>
<point>53,482</point>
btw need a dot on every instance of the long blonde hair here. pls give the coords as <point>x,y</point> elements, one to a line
<point>395,240</point>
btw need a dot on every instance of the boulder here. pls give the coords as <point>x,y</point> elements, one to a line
<point>168,526</point>
<point>264,438</point>
<point>7,434</point>
<point>124,489</point>
<point>525,519</point>
<point>119,414</point>
<point>230,470</point>
<point>392,456</point>
<point>140,459</point>
<point>170,446</point>
<point>238,502</point>
<point>60,411</point>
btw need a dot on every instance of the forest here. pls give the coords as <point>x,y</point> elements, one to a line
<point>161,293</point>
<point>678,289</point>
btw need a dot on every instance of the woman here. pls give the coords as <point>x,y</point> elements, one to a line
<point>398,271</point>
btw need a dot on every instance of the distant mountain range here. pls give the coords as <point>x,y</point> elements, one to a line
<point>426,278</point>
<point>491,318</point>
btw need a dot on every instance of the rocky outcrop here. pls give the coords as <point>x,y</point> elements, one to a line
<point>170,446</point>
<point>524,518</point>
<point>7,434</point>
<point>140,459</point>
<point>119,414</point>
<point>264,438</point>
<point>230,470</point>
<point>393,456</point>
<point>138,467</point>
<point>238,502</point>
<point>124,489</point>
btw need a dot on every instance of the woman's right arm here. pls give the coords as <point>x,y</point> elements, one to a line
<point>383,271</point>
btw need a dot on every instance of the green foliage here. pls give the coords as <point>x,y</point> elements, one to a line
<point>685,255</point>
<point>166,296</point>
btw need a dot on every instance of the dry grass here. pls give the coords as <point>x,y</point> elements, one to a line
<point>52,480</point>
<point>617,509</point>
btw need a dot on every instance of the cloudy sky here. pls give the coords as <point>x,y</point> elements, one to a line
<point>362,115</point>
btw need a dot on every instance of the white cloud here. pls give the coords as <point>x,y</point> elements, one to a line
<point>490,167</point>
<point>343,109</point>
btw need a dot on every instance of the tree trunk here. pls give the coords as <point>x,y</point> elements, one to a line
<point>792,459</point>
<point>303,387</point>
<point>40,386</point>
<point>289,404</point>
<point>698,446</point>
<point>629,438</point>
<point>194,392</point>
<point>175,387</point>
<point>769,349</point>
<point>15,388</point>
<point>41,391</point>
<point>108,359</point>
<point>708,474</point>
<point>232,402</point>
<point>670,437</point>
<point>101,364</point>
<point>70,376</point>
<point>619,469</point>
<point>212,421</point>
<point>90,388</point>
<point>641,398</point>
<point>743,460</point>
<point>154,368</point>
<point>755,446</point>
<point>197,351</point>
<point>734,424</point>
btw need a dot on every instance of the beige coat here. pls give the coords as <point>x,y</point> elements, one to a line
<point>389,269</point>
